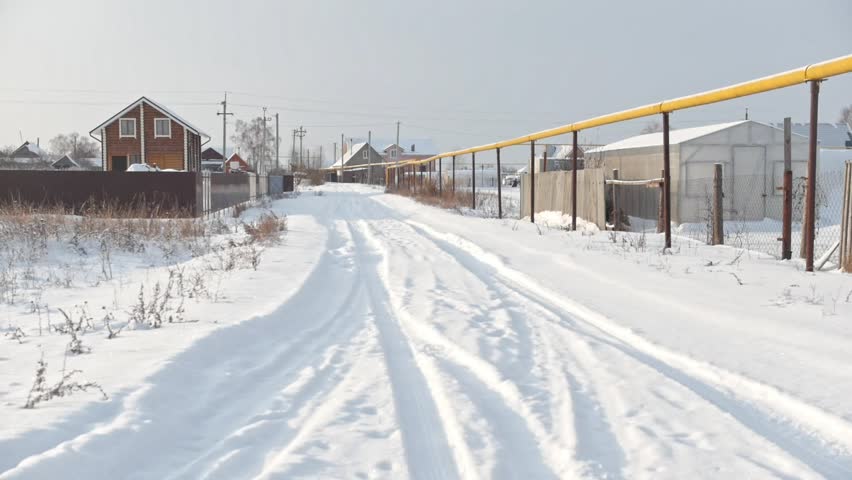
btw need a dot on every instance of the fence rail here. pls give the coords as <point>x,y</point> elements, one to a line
<point>154,193</point>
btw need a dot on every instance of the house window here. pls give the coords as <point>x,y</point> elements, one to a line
<point>393,153</point>
<point>162,128</point>
<point>127,127</point>
<point>364,154</point>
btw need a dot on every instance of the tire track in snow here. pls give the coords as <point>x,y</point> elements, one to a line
<point>188,384</point>
<point>427,450</point>
<point>815,437</point>
<point>516,415</point>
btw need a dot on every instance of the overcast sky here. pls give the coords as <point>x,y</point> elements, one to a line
<point>459,72</point>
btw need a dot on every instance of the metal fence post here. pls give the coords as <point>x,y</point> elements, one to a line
<point>718,229</point>
<point>787,210</point>
<point>454,176</point>
<point>660,215</point>
<point>440,178</point>
<point>667,183</point>
<point>532,181</point>
<point>616,216</point>
<point>574,183</point>
<point>810,199</point>
<point>473,178</point>
<point>499,191</point>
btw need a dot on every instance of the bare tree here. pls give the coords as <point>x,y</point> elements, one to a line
<point>249,139</point>
<point>654,126</point>
<point>74,145</point>
<point>846,115</point>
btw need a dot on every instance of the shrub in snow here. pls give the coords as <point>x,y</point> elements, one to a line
<point>41,392</point>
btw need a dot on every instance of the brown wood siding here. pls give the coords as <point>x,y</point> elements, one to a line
<point>164,152</point>
<point>116,146</point>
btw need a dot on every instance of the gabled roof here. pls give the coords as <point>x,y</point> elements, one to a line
<point>28,150</point>
<point>351,153</point>
<point>237,157</point>
<point>391,146</point>
<point>65,160</point>
<point>211,153</point>
<point>675,137</point>
<point>156,105</point>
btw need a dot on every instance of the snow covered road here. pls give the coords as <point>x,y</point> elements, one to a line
<point>413,350</point>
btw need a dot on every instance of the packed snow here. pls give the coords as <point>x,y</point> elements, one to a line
<point>382,338</point>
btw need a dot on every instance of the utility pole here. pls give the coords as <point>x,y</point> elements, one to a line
<point>301,134</point>
<point>224,114</point>
<point>277,142</point>
<point>342,154</point>
<point>293,150</point>
<point>263,159</point>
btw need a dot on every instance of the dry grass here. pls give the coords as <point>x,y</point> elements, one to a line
<point>267,228</point>
<point>316,177</point>
<point>461,200</point>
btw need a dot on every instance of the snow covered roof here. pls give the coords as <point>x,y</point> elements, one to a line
<point>65,162</point>
<point>28,150</point>
<point>830,135</point>
<point>174,116</point>
<point>351,153</point>
<point>675,137</point>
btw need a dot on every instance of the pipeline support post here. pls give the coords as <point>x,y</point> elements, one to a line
<point>574,183</point>
<point>532,181</point>
<point>499,191</point>
<point>473,179</point>
<point>810,198</point>
<point>667,183</point>
<point>440,178</point>
<point>454,176</point>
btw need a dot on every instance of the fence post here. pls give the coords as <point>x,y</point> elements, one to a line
<point>574,183</point>
<point>431,164</point>
<point>454,176</point>
<point>440,178</point>
<point>810,200</point>
<point>846,223</point>
<point>473,178</point>
<point>718,229</point>
<point>667,181</point>
<point>660,215</point>
<point>544,160</point>
<point>616,217</point>
<point>532,181</point>
<point>787,210</point>
<point>499,191</point>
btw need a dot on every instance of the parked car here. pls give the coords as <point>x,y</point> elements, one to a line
<point>142,167</point>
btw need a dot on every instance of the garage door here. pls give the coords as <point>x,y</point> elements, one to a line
<point>166,160</point>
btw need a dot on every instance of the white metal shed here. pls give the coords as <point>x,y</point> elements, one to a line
<point>752,158</point>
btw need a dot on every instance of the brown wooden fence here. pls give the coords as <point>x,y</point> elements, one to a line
<point>144,193</point>
<point>846,222</point>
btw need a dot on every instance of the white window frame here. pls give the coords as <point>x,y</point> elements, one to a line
<point>393,153</point>
<point>120,133</point>
<point>169,120</point>
<point>364,154</point>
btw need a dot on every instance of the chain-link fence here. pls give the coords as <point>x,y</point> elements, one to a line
<point>752,207</point>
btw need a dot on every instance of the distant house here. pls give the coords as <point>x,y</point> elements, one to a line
<point>396,153</point>
<point>559,157</point>
<point>148,132</point>
<point>65,163</point>
<point>357,158</point>
<point>829,135</point>
<point>28,153</point>
<point>212,160</point>
<point>236,163</point>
